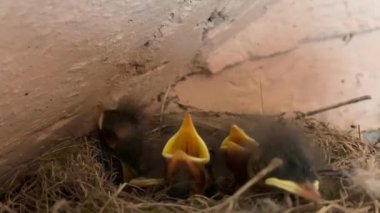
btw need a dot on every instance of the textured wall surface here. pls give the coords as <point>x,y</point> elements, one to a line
<point>59,60</point>
<point>297,56</point>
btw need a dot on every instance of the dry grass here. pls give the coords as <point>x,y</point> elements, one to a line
<point>345,151</point>
<point>70,179</point>
<point>340,148</point>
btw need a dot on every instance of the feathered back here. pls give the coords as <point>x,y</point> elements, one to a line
<point>283,139</point>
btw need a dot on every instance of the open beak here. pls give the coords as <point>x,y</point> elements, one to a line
<point>186,149</point>
<point>188,141</point>
<point>309,191</point>
<point>237,140</point>
<point>237,147</point>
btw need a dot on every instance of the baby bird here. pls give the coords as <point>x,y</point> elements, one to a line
<point>187,156</point>
<point>122,133</point>
<point>179,156</point>
<point>275,139</point>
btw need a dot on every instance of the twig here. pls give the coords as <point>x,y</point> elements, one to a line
<point>121,187</point>
<point>331,206</point>
<point>58,205</point>
<point>376,206</point>
<point>261,97</point>
<point>159,204</point>
<point>5,208</point>
<point>163,104</point>
<point>187,107</point>
<point>302,208</point>
<point>274,164</point>
<point>351,101</point>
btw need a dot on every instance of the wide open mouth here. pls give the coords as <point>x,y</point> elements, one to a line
<point>237,140</point>
<point>187,140</point>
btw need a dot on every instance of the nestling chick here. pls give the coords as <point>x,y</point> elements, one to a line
<point>178,155</point>
<point>277,139</point>
<point>187,156</point>
<point>122,133</point>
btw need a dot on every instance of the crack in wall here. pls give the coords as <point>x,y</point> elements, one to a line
<point>253,58</point>
<point>346,37</point>
<point>217,17</point>
<point>175,17</point>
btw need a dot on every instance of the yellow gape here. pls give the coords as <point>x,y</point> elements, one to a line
<point>237,140</point>
<point>188,141</point>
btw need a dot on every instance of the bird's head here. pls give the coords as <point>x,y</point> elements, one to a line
<point>186,155</point>
<point>121,130</point>
<point>237,148</point>
<point>297,175</point>
<point>122,126</point>
<point>296,179</point>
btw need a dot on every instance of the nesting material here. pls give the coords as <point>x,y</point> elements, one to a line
<point>69,178</point>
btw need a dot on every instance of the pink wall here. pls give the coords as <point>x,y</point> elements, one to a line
<point>59,60</point>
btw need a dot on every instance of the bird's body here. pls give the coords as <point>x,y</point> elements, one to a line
<point>282,139</point>
<point>287,143</point>
<point>121,132</point>
<point>142,148</point>
<point>160,133</point>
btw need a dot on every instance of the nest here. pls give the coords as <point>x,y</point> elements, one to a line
<point>69,178</point>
